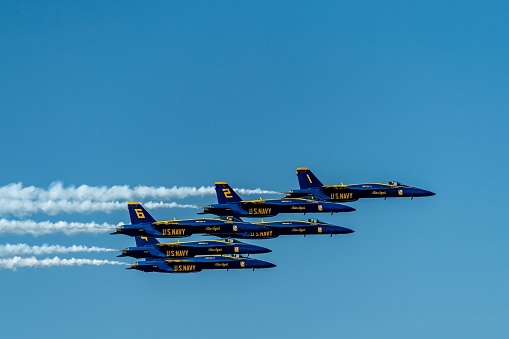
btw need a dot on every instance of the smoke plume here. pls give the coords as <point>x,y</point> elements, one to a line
<point>57,191</point>
<point>7,250</point>
<point>46,227</point>
<point>18,262</point>
<point>19,207</point>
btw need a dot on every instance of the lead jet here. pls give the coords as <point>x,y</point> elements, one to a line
<point>311,186</point>
<point>143,224</point>
<point>230,204</point>
<point>151,248</point>
<point>196,264</point>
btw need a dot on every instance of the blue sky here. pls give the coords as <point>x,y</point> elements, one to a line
<point>185,94</point>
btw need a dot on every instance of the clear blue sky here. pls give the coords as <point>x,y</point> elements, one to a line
<point>179,93</point>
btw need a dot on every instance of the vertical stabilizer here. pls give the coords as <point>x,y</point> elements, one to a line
<point>307,179</point>
<point>138,214</point>
<point>226,194</point>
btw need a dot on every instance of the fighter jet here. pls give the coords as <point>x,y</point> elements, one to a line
<point>197,264</point>
<point>143,224</point>
<point>230,204</point>
<point>151,248</point>
<point>311,186</point>
<point>297,227</point>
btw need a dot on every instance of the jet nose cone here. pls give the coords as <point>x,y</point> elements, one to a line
<point>346,230</point>
<point>336,230</point>
<point>341,208</point>
<point>428,193</point>
<point>265,264</point>
<point>417,192</point>
<point>257,249</point>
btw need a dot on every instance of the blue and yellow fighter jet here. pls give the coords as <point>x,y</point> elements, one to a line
<point>230,204</point>
<point>297,227</point>
<point>143,224</point>
<point>311,186</point>
<point>151,248</point>
<point>196,264</point>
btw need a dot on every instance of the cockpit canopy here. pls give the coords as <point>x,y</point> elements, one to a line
<point>314,198</point>
<point>396,183</point>
<point>315,221</point>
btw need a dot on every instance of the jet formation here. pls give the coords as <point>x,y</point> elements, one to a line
<point>229,253</point>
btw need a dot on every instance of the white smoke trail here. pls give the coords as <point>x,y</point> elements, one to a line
<point>56,191</point>
<point>18,262</point>
<point>25,249</point>
<point>46,227</point>
<point>19,207</point>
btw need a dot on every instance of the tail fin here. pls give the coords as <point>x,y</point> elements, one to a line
<point>307,179</point>
<point>225,193</point>
<point>144,241</point>
<point>138,214</point>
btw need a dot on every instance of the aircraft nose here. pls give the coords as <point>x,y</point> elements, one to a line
<point>333,207</point>
<point>417,192</point>
<point>268,264</point>
<point>253,249</point>
<point>336,230</point>
<point>345,230</point>
<point>264,264</point>
<point>427,193</point>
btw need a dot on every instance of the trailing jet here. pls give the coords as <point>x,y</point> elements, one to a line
<point>151,248</point>
<point>311,186</point>
<point>297,227</point>
<point>143,224</point>
<point>230,204</point>
<point>197,264</point>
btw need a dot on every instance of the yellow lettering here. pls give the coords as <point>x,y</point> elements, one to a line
<point>309,178</point>
<point>184,268</point>
<point>177,253</point>
<point>261,234</point>
<point>298,230</point>
<point>341,196</point>
<point>173,231</point>
<point>260,210</point>
<point>215,249</point>
<point>227,193</point>
<point>139,213</point>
